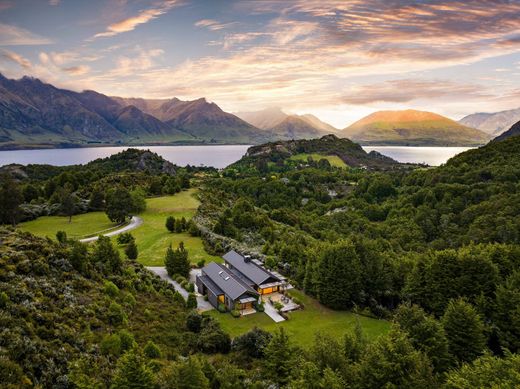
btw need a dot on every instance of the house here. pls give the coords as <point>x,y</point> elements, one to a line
<point>238,283</point>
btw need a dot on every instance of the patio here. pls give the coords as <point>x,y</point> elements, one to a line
<point>288,304</point>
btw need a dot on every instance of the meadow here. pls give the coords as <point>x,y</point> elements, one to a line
<point>334,160</point>
<point>303,324</point>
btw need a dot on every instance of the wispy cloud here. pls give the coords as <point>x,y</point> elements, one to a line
<point>77,70</point>
<point>16,58</point>
<point>214,25</point>
<point>132,22</point>
<point>16,36</point>
<point>54,2</point>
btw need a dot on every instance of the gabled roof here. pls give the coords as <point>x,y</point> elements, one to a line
<point>226,281</point>
<point>249,269</point>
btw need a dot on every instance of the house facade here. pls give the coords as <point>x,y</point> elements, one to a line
<point>238,283</point>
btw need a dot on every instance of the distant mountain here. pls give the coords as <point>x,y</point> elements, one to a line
<point>414,128</point>
<point>492,123</point>
<point>287,126</point>
<point>513,131</point>
<point>34,114</point>
<point>349,152</point>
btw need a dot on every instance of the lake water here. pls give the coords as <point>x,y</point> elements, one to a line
<point>216,156</point>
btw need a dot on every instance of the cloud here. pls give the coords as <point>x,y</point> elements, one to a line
<point>16,58</point>
<point>54,2</point>
<point>77,70</point>
<point>16,36</point>
<point>213,25</point>
<point>407,90</point>
<point>142,17</point>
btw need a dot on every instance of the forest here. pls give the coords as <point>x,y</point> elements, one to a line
<point>434,251</point>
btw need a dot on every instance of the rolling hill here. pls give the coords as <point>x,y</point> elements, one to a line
<point>492,123</point>
<point>412,128</point>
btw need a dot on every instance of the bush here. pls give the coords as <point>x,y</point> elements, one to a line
<point>129,300</point>
<point>4,300</point>
<point>235,313</point>
<point>260,307</point>
<point>170,223</point>
<point>151,350</point>
<point>131,251</point>
<point>111,345</point>
<point>116,313</point>
<point>190,287</point>
<point>110,289</point>
<point>201,263</point>
<point>180,279</point>
<point>61,236</point>
<point>277,305</point>
<point>192,301</point>
<point>222,308</point>
<point>127,340</point>
<point>194,322</point>
<point>125,238</point>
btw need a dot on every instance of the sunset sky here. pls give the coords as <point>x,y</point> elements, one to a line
<point>339,60</point>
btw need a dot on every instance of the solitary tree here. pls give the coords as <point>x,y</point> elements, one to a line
<point>131,250</point>
<point>176,262</point>
<point>119,205</point>
<point>170,223</point>
<point>68,203</point>
<point>97,199</point>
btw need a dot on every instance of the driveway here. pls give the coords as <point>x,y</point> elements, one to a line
<point>202,305</point>
<point>135,222</point>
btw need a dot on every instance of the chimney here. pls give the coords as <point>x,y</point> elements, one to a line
<point>247,258</point>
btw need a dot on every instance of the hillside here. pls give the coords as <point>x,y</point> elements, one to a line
<point>294,127</point>
<point>492,123</point>
<point>512,132</point>
<point>34,114</point>
<point>411,127</point>
<point>264,119</point>
<point>349,152</point>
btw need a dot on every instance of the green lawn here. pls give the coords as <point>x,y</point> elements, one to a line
<point>151,237</point>
<point>80,226</point>
<point>303,324</point>
<point>333,159</point>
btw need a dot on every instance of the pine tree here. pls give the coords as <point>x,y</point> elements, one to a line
<point>508,312</point>
<point>131,250</point>
<point>280,358</point>
<point>170,223</point>
<point>132,372</point>
<point>464,330</point>
<point>183,262</point>
<point>184,375</point>
<point>169,261</point>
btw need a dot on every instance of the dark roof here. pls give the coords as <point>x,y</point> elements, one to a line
<point>211,285</point>
<point>249,269</point>
<point>226,281</point>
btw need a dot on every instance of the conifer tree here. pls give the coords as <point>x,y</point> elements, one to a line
<point>131,250</point>
<point>280,358</point>
<point>132,372</point>
<point>170,223</point>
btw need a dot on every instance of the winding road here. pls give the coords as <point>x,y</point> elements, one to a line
<point>135,222</point>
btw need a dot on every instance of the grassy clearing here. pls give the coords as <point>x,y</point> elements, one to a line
<point>152,237</point>
<point>334,160</point>
<point>80,226</point>
<point>303,324</point>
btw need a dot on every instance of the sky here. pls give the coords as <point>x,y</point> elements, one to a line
<point>339,60</point>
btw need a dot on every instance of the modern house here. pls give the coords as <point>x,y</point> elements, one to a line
<point>238,283</point>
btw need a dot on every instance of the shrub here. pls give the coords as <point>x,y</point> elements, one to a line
<point>170,223</point>
<point>222,308</point>
<point>129,300</point>
<point>4,300</point>
<point>110,289</point>
<point>235,313</point>
<point>111,345</point>
<point>180,279</point>
<point>277,305</point>
<point>178,299</point>
<point>190,287</point>
<point>127,340</point>
<point>192,301</point>
<point>125,238</point>
<point>151,350</point>
<point>194,322</point>
<point>61,236</point>
<point>116,313</point>
<point>201,263</point>
<point>131,251</point>
<point>260,307</point>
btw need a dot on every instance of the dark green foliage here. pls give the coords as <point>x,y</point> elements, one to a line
<point>212,339</point>
<point>508,312</point>
<point>97,199</point>
<point>119,205</point>
<point>186,374</point>
<point>10,199</point>
<point>391,361</point>
<point>116,314</point>
<point>125,238</point>
<point>177,262</point>
<point>170,223</point>
<point>425,333</point>
<point>464,331</point>
<point>151,350</point>
<point>79,257</point>
<point>280,358</point>
<point>253,343</point>
<point>61,236</point>
<point>191,302</point>
<point>105,257</point>
<point>110,289</point>
<point>339,276</point>
<point>194,321</point>
<point>131,251</point>
<point>132,372</point>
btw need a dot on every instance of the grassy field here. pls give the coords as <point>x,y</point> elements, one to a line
<point>80,226</point>
<point>334,160</point>
<point>303,324</point>
<point>151,237</point>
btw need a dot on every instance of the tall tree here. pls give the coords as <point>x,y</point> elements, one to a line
<point>170,223</point>
<point>131,250</point>
<point>106,257</point>
<point>132,372</point>
<point>464,330</point>
<point>119,205</point>
<point>339,276</point>
<point>10,199</point>
<point>508,312</point>
<point>280,358</point>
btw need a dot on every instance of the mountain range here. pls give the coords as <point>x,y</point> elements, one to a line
<point>413,128</point>
<point>492,123</point>
<point>34,114</point>
<point>513,131</point>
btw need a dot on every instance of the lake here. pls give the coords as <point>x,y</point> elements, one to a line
<point>216,156</point>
